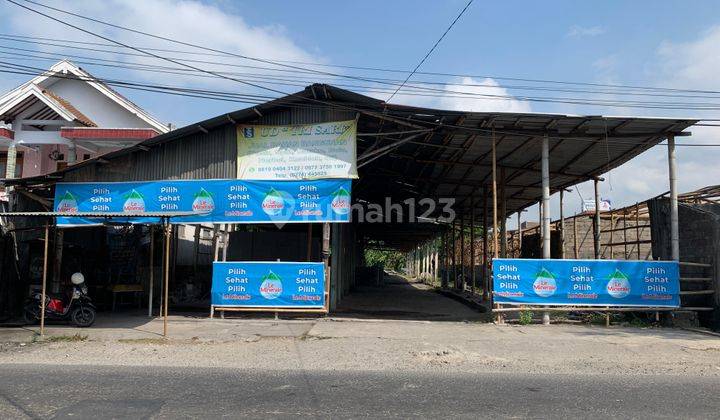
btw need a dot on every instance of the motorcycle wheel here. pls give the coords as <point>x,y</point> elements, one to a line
<point>83,316</point>
<point>30,317</point>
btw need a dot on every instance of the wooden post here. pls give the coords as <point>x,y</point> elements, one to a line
<point>44,280</point>
<point>596,224</point>
<point>495,198</point>
<point>196,249</point>
<point>462,253</point>
<point>520,239</point>
<point>625,240</point>
<point>503,216</point>
<point>539,226</point>
<point>612,236</point>
<point>575,238</point>
<point>472,244</point>
<point>486,277</point>
<point>166,286</point>
<point>309,242</point>
<point>454,260</point>
<point>57,261</point>
<point>445,265</point>
<point>152,270</point>
<point>326,261</point>
<point>562,224</point>
<point>226,241</point>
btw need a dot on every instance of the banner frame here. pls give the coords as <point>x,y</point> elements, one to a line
<point>586,306</point>
<point>325,309</point>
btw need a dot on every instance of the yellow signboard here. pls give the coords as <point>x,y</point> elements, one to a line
<point>288,152</point>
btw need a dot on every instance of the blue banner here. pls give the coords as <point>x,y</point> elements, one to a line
<point>269,284</point>
<point>586,282</point>
<point>221,200</point>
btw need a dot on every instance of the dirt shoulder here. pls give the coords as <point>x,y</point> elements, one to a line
<point>328,344</point>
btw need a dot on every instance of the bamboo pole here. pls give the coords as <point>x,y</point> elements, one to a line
<point>44,280</point>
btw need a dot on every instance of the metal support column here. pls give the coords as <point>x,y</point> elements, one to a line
<point>499,319</point>
<point>596,224</point>
<point>545,165</point>
<point>674,218</point>
<point>166,286</point>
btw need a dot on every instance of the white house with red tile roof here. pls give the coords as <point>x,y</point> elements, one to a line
<point>64,116</point>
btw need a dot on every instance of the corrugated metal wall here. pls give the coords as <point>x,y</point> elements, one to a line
<point>196,156</point>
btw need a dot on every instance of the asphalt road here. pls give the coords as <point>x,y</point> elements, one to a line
<point>134,392</point>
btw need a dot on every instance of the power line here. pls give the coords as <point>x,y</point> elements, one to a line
<point>256,99</point>
<point>251,84</point>
<point>434,93</point>
<point>431,50</point>
<point>574,101</point>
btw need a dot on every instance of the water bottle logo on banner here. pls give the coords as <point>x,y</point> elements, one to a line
<point>134,202</point>
<point>68,203</point>
<point>618,286</point>
<point>271,287</point>
<point>203,201</point>
<point>341,201</point>
<point>544,284</point>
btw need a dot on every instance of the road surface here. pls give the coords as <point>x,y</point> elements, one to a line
<point>77,392</point>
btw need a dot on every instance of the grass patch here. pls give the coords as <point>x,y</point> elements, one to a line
<point>66,338</point>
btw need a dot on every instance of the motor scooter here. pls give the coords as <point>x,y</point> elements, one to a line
<point>79,309</point>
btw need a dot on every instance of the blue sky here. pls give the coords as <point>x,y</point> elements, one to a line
<point>668,43</point>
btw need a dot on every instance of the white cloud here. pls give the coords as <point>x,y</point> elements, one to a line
<point>577,31</point>
<point>186,20</point>
<point>461,94</point>
<point>692,64</point>
<point>492,101</point>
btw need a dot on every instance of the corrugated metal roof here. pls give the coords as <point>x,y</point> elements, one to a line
<point>452,158</point>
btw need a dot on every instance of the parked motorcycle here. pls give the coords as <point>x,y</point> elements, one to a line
<point>79,309</point>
